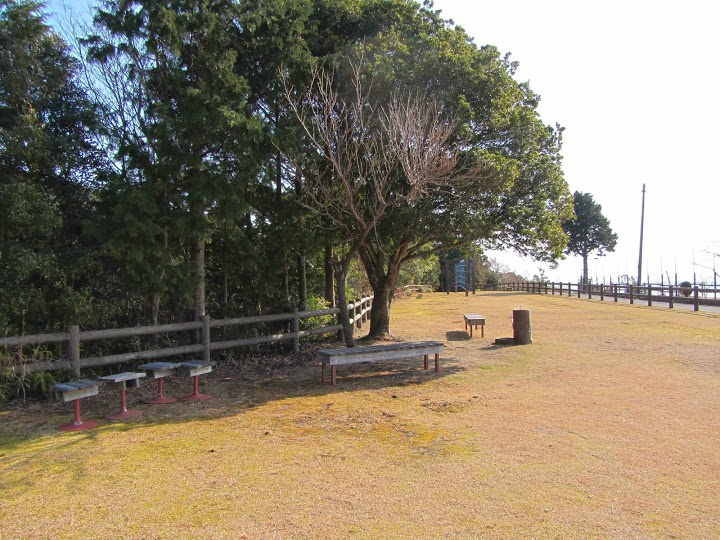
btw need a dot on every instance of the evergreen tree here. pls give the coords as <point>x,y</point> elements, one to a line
<point>48,166</point>
<point>588,231</point>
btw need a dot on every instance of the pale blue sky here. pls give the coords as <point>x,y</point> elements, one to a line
<point>635,84</point>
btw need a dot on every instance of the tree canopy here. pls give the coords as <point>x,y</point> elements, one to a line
<point>176,167</point>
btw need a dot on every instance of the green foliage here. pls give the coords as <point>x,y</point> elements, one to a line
<point>686,288</point>
<point>589,231</point>
<point>48,165</point>
<point>420,271</point>
<point>317,303</point>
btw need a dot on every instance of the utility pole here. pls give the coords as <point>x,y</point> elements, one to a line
<point>642,224</point>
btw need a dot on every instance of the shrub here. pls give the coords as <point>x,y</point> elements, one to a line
<point>686,288</point>
<point>315,303</point>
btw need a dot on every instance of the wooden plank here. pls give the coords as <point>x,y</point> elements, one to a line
<point>239,321</point>
<point>377,353</point>
<point>122,377</point>
<point>36,339</point>
<point>197,367</point>
<point>390,347</point>
<point>89,335</point>
<point>140,355</point>
<point>73,390</point>
<point>160,369</point>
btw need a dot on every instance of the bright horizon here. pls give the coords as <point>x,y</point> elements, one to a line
<point>634,85</point>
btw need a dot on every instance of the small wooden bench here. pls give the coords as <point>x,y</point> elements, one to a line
<point>74,391</point>
<point>374,353</point>
<point>124,381</point>
<point>195,368</point>
<point>473,319</point>
<point>160,370</point>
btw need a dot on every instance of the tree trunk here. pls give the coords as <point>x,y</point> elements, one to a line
<point>286,281</point>
<point>522,331</point>
<point>200,275</point>
<point>329,280</point>
<point>200,289</point>
<point>302,282</point>
<point>380,312</point>
<point>344,317</point>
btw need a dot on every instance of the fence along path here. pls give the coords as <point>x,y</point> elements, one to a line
<point>74,337</point>
<point>691,297</point>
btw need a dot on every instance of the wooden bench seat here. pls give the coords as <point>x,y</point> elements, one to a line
<point>375,353</point>
<point>123,381</point>
<point>74,391</point>
<point>473,319</point>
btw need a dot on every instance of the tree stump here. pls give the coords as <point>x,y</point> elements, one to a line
<point>522,333</point>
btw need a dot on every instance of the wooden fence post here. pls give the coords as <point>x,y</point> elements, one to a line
<point>602,292</point>
<point>649,293</point>
<point>670,303</point>
<point>631,295</point>
<point>696,306</point>
<point>615,289</point>
<point>579,289</point>
<point>589,291</point>
<point>206,338</point>
<point>74,348</point>
<point>295,329</point>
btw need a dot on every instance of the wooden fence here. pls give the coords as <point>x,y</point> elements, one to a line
<point>668,294</point>
<point>74,338</point>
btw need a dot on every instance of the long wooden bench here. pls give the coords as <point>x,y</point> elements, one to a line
<point>375,353</point>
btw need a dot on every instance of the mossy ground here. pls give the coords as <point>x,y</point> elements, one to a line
<point>606,426</point>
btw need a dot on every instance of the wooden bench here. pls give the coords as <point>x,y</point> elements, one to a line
<point>473,319</point>
<point>160,370</point>
<point>195,368</point>
<point>123,381</point>
<point>374,353</point>
<point>74,391</point>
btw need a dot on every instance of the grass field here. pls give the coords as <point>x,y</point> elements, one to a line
<point>607,426</point>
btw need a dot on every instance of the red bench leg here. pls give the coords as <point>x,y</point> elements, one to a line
<point>426,362</point>
<point>161,398</point>
<point>124,414</point>
<point>437,362</point>
<point>196,395</point>
<point>332,375</point>
<point>77,424</point>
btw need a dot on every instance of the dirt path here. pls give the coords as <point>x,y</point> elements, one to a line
<point>606,426</point>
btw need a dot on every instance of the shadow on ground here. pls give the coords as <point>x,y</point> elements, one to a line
<point>232,393</point>
<point>457,336</point>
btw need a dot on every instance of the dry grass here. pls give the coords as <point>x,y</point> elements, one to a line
<point>606,426</point>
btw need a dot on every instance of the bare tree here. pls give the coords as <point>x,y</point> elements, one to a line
<point>372,158</point>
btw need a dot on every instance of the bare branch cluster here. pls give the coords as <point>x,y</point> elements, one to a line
<point>376,156</point>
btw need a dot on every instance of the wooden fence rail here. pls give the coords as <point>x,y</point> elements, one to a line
<point>695,296</point>
<point>74,337</point>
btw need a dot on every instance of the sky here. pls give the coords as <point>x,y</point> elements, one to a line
<point>635,84</point>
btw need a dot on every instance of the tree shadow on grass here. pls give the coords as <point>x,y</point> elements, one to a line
<point>457,336</point>
<point>232,393</point>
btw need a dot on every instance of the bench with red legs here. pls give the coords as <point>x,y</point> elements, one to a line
<point>123,381</point>
<point>160,370</point>
<point>74,391</point>
<point>195,368</point>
